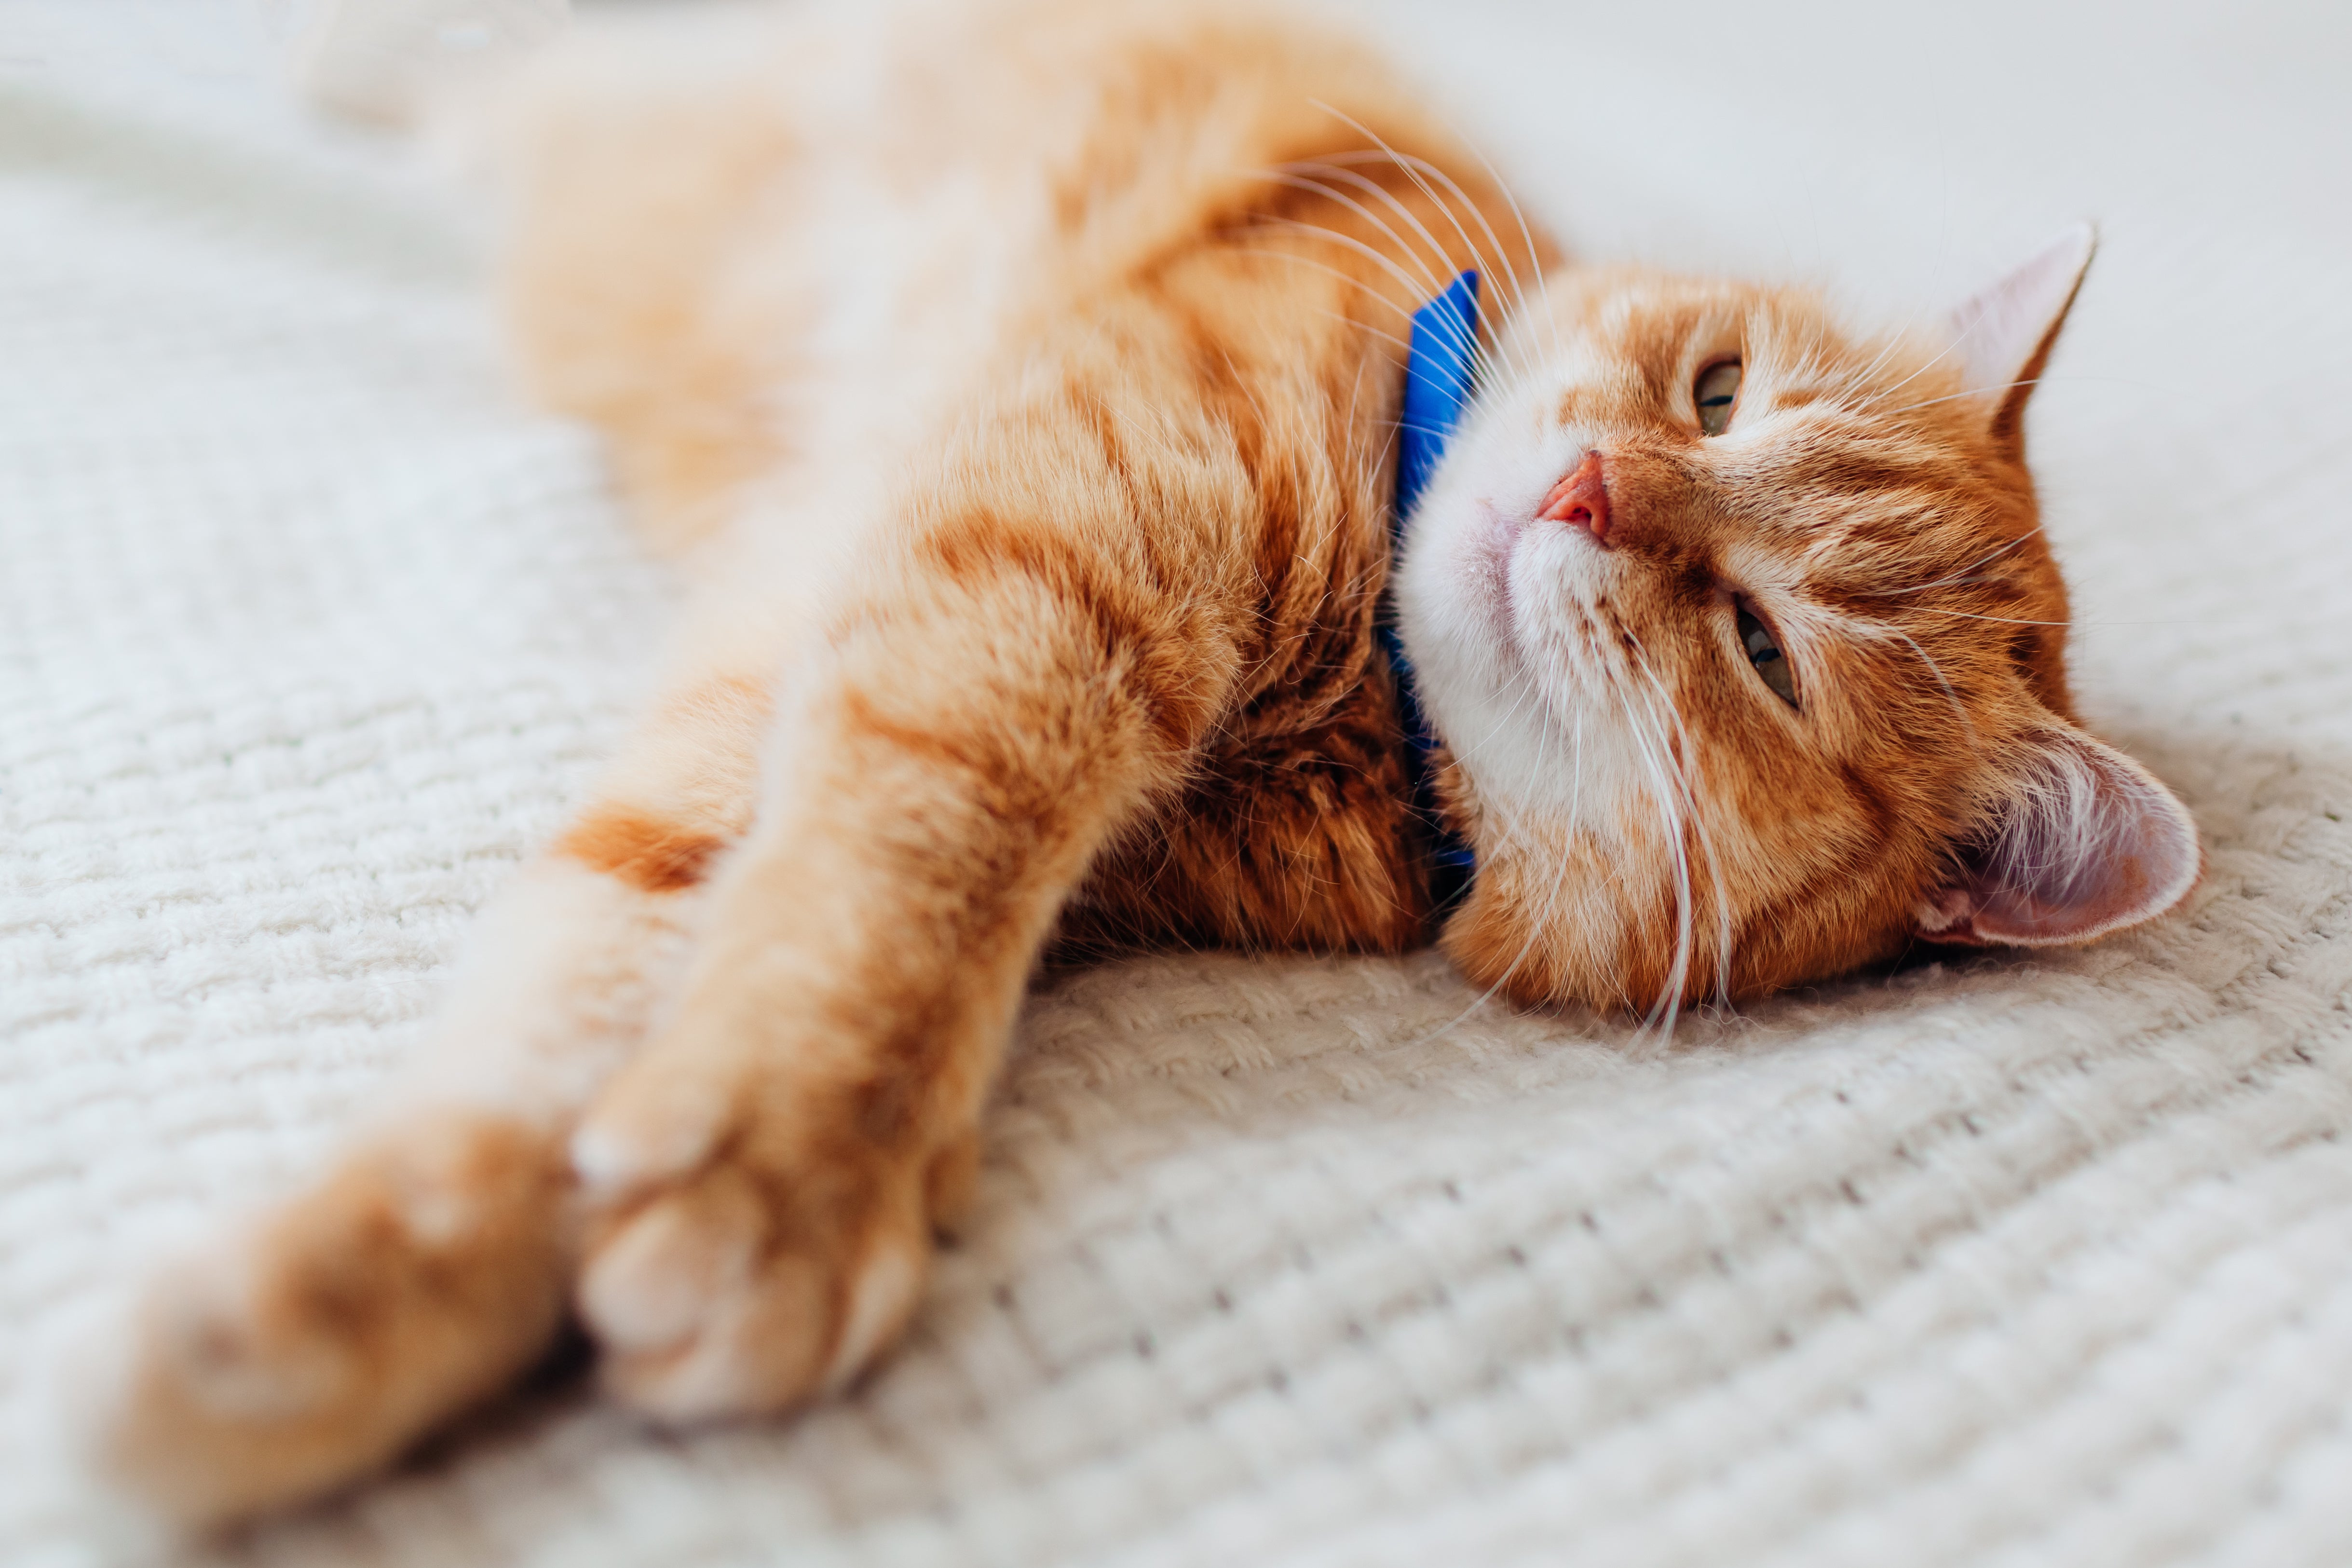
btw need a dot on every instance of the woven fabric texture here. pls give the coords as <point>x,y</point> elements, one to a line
<point>308,626</point>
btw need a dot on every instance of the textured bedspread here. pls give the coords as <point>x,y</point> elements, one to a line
<point>306,626</point>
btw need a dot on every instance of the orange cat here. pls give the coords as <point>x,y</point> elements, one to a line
<point>1020,388</point>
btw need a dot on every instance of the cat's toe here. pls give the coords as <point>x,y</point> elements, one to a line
<point>206,1417</point>
<point>739,1289</point>
<point>316,1344</point>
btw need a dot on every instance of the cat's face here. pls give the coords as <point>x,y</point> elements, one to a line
<point>1748,650</point>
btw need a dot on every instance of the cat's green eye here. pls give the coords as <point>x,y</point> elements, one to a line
<point>1716,390</point>
<point>1764,654</point>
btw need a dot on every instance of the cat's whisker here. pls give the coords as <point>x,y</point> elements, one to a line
<point>1510,826</point>
<point>1528,693</point>
<point>1961,577</point>
<point>2019,620</point>
<point>1353,282</point>
<point>1685,752</point>
<point>1667,1007</point>
<point>1892,342</point>
<point>1373,187</point>
<point>1410,163</point>
<point>1471,349</point>
<point>1955,397</point>
<point>1527,235</point>
<point>1489,365</point>
<point>1415,167</point>
<point>1430,275</point>
<point>1456,334</point>
<point>1937,358</point>
<point>1550,911</point>
<point>1277,253</point>
<point>1487,268</point>
<point>1388,338</point>
<point>1690,821</point>
<point>1879,628</point>
<point>1413,288</point>
<point>1493,265</point>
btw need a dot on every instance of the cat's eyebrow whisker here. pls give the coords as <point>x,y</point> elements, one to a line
<point>1956,396</point>
<point>1939,357</point>
<point>1894,341</point>
<point>1962,575</point>
<point>1971,581</point>
<point>1880,629</point>
<point>2019,620</point>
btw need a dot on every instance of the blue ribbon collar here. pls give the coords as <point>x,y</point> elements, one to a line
<point>1441,371</point>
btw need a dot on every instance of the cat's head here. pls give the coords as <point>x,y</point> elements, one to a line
<point>1750,652</point>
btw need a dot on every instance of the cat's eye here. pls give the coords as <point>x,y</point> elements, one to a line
<point>1756,640</point>
<point>1716,390</point>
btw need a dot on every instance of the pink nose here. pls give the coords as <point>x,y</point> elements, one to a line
<point>1581,500</point>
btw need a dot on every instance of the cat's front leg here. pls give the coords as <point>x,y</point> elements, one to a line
<point>769,1170</point>
<point>428,1264</point>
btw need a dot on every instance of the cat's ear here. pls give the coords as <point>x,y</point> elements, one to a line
<point>2081,841</point>
<point>2002,336</point>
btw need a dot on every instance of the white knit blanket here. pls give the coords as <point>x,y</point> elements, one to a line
<point>308,626</point>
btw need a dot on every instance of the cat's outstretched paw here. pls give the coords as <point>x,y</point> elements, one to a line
<point>754,1249</point>
<point>423,1274</point>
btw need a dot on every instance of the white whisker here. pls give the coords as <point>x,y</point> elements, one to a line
<point>1471,350</point>
<point>1519,214</point>
<point>1413,167</point>
<point>1879,628</point>
<point>1319,187</point>
<point>1697,819</point>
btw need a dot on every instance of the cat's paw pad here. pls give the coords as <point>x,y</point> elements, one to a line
<point>769,1271</point>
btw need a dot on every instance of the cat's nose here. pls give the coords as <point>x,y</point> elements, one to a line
<point>1581,500</point>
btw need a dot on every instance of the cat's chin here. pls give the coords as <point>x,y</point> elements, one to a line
<point>1489,585</point>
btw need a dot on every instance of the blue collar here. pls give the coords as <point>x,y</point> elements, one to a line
<point>1438,379</point>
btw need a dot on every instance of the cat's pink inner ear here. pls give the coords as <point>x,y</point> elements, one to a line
<point>2085,841</point>
<point>2003,336</point>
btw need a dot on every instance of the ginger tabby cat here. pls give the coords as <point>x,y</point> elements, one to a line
<point>1020,388</point>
